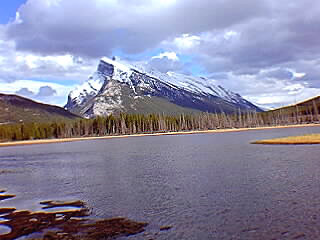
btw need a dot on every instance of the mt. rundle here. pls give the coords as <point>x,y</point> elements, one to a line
<point>120,87</point>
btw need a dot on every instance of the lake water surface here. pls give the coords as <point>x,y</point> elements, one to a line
<point>207,186</point>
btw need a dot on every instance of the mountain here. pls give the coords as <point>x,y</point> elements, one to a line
<point>14,109</point>
<point>121,87</point>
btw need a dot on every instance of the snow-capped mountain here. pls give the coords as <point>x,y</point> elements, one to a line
<point>121,87</point>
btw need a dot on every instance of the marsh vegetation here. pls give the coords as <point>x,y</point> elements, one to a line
<point>304,139</point>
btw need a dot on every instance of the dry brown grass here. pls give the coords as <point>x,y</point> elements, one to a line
<point>305,139</point>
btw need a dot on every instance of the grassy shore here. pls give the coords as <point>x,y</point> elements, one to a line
<point>61,140</point>
<point>305,139</point>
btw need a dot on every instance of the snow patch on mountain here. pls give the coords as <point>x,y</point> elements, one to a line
<point>89,88</point>
<point>101,94</point>
<point>199,85</point>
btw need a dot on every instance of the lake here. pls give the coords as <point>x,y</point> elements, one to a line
<point>206,186</point>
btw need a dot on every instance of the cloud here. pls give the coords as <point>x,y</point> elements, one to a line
<point>46,91</point>
<point>259,48</point>
<point>165,64</point>
<point>186,41</point>
<point>277,73</point>
<point>48,79</point>
<point>280,99</point>
<point>169,55</point>
<point>25,92</point>
<point>17,65</point>
<point>268,88</point>
<point>56,27</point>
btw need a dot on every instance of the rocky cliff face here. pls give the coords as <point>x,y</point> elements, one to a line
<point>119,87</point>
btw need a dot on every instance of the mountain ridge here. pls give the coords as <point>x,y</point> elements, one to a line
<point>17,109</point>
<point>104,92</point>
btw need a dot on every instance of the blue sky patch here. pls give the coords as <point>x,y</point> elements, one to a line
<point>8,10</point>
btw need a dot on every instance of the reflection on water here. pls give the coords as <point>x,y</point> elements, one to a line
<point>4,230</point>
<point>208,186</point>
<point>69,223</point>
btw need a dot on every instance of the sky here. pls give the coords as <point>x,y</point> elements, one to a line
<point>265,50</point>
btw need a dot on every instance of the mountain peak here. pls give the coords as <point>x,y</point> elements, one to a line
<point>117,85</point>
<point>107,62</point>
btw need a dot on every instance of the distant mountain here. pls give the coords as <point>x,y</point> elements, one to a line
<point>121,87</point>
<point>14,109</point>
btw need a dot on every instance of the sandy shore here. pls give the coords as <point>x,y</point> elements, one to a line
<point>61,140</point>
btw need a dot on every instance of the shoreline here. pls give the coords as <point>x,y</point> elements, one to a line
<point>76,139</point>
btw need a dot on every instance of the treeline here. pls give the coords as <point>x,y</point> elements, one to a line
<point>304,112</point>
<point>136,123</point>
